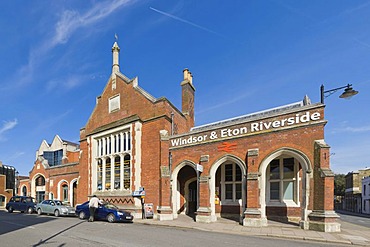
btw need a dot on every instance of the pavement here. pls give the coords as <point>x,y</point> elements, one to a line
<point>350,234</point>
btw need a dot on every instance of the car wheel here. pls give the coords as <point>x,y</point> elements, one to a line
<point>81,215</point>
<point>111,218</point>
<point>10,209</point>
<point>39,212</point>
<point>29,210</point>
<point>56,213</point>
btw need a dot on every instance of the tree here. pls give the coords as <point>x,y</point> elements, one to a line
<point>339,184</point>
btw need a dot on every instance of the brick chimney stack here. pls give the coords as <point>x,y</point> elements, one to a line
<point>188,91</point>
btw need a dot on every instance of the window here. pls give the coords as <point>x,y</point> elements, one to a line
<point>113,162</point>
<point>114,103</point>
<point>117,172</point>
<point>100,174</point>
<point>231,181</point>
<point>282,175</point>
<point>108,174</point>
<point>65,192</point>
<point>54,158</point>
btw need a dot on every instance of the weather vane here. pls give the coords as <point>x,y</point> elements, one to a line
<point>116,36</point>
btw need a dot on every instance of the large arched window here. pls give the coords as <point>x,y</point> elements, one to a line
<point>282,181</point>
<point>112,161</point>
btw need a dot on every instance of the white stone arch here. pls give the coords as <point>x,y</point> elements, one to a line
<point>212,181</point>
<point>33,183</point>
<point>306,175</point>
<point>59,188</point>
<point>174,183</point>
<point>70,190</point>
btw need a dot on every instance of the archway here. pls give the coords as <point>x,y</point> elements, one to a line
<point>24,190</point>
<point>184,189</point>
<point>38,187</point>
<point>284,186</point>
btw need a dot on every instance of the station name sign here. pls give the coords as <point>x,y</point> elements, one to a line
<point>248,128</point>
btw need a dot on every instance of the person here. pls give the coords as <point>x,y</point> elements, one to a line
<point>93,205</point>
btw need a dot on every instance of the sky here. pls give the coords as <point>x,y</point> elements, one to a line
<point>245,56</point>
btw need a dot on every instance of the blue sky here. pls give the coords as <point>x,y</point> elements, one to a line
<point>245,56</point>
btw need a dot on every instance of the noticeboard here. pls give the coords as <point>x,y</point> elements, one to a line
<point>148,210</point>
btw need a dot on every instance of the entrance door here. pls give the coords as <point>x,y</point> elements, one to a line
<point>192,200</point>
<point>40,196</point>
<point>74,194</point>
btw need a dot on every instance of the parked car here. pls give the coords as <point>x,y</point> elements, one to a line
<point>21,203</point>
<point>107,211</point>
<point>55,207</point>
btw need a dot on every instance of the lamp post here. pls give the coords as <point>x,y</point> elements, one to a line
<point>16,183</point>
<point>348,92</point>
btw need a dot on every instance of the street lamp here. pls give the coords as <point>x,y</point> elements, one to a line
<point>348,92</point>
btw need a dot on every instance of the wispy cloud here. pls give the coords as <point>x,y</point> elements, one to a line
<point>15,155</point>
<point>351,129</point>
<point>187,22</point>
<point>7,125</point>
<point>70,22</point>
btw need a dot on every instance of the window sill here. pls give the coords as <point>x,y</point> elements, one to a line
<point>283,204</point>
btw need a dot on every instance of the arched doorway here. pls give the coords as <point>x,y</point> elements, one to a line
<point>24,190</point>
<point>39,183</point>
<point>284,183</point>
<point>185,190</point>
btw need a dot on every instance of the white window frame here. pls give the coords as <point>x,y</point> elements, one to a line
<point>114,103</point>
<point>101,152</point>
<point>233,201</point>
<point>281,202</point>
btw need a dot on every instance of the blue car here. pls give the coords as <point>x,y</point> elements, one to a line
<point>107,211</point>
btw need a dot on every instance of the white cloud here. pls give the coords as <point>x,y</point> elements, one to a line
<point>7,125</point>
<point>72,20</point>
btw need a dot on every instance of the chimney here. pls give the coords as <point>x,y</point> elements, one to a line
<point>188,91</point>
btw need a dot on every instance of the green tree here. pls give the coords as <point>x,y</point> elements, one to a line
<point>339,184</point>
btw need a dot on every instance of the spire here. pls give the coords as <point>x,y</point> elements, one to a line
<point>115,51</point>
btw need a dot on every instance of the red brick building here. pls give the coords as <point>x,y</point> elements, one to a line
<point>272,164</point>
<point>55,173</point>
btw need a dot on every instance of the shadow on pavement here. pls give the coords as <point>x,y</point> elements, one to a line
<point>15,221</point>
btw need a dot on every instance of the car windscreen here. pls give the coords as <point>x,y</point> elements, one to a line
<point>110,206</point>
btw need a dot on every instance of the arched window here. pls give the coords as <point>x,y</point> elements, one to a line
<point>127,172</point>
<point>100,174</point>
<point>117,172</point>
<point>231,182</point>
<point>40,181</point>
<point>108,167</point>
<point>282,184</point>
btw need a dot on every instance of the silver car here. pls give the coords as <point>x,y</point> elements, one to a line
<point>55,207</point>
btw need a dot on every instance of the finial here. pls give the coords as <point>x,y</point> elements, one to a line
<point>116,37</point>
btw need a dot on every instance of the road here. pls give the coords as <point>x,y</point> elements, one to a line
<point>19,229</point>
<point>354,219</point>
